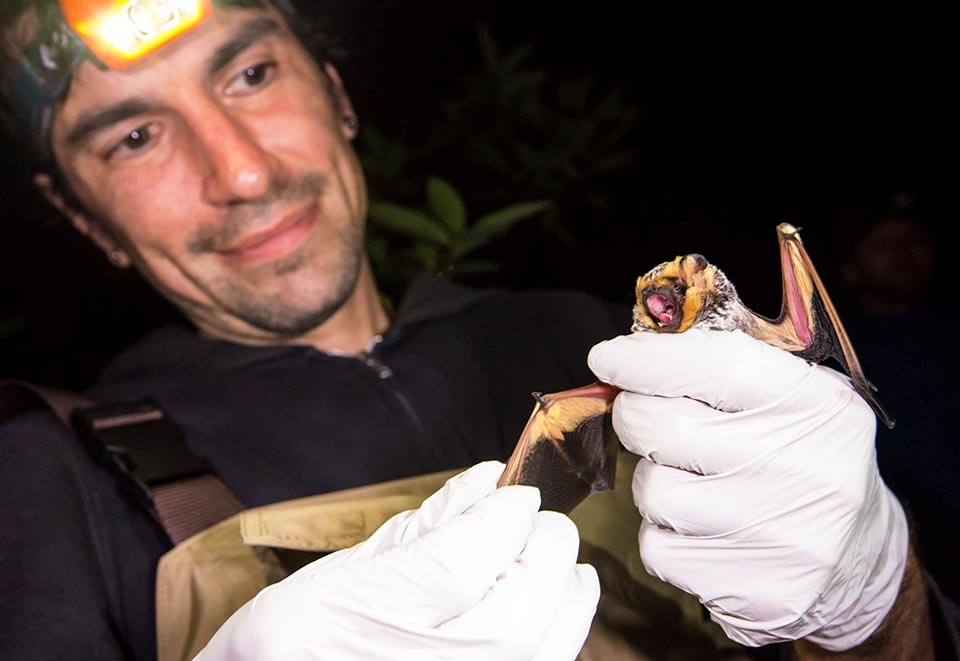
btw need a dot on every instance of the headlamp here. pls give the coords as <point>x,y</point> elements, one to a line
<point>122,33</point>
<point>112,33</point>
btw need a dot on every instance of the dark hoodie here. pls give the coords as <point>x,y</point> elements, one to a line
<point>448,386</point>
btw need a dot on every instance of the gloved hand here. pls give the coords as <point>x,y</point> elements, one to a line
<point>475,573</point>
<point>758,485</point>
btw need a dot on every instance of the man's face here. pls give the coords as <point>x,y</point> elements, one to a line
<point>222,167</point>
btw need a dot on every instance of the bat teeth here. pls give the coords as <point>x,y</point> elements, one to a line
<point>661,309</point>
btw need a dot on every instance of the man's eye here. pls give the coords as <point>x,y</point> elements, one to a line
<point>135,141</point>
<point>251,78</point>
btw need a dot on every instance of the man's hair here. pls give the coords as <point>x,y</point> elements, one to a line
<point>33,29</point>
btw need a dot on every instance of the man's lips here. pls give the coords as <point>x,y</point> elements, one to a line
<point>276,240</point>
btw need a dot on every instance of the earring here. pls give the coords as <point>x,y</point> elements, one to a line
<point>350,122</point>
<point>116,257</point>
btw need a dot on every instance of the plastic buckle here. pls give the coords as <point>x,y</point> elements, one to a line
<point>141,443</point>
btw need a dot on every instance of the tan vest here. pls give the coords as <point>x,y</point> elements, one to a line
<point>203,580</point>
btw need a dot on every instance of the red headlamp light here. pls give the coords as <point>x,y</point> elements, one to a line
<point>123,32</point>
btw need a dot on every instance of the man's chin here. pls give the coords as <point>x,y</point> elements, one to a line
<point>292,316</point>
<point>295,324</point>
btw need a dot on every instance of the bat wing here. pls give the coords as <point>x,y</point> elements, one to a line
<point>810,319</point>
<point>568,448</point>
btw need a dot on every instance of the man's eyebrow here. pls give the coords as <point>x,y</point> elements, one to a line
<point>101,119</point>
<point>246,35</point>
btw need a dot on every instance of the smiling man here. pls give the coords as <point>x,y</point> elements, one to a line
<point>216,159</point>
<point>249,204</point>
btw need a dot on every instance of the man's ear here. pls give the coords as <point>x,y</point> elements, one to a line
<point>348,118</point>
<point>90,228</point>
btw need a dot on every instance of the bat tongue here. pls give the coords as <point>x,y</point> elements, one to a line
<point>660,308</point>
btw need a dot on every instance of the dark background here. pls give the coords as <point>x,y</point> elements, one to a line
<point>745,121</point>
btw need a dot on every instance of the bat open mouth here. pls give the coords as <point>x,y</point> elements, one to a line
<point>665,306</point>
<point>660,308</point>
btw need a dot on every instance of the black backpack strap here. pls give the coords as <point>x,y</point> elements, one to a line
<point>145,450</point>
<point>17,396</point>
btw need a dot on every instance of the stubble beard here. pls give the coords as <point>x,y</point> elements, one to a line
<point>334,283</point>
<point>278,316</point>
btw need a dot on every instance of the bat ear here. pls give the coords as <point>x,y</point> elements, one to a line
<point>694,263</point>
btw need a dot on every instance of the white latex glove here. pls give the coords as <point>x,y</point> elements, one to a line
<point>475,573</point>
<point>758,485</point>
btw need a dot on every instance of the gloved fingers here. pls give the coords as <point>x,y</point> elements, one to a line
<point>684,502</point>
<point>717,505</point>
<point>687,434</point>
<point>728,370</point>
<point>665,554</point>
<point>542,591</point>
<point>453,498</point>
<point>723,577</point>
<point>451,567</point>
<point>570,627</point>
<point>678,432</point>
<point>457,494</point>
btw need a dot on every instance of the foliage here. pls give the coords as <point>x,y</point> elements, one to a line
<point>13,325</point>
<point>555,137</point>
<point>509,131</point>
<point>439,238</point>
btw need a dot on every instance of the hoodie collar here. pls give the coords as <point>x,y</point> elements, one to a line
<point>428,297</point>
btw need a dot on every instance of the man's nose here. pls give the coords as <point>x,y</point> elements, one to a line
<point>238,167</point>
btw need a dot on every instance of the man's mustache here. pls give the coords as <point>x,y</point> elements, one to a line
<point>242,216</point>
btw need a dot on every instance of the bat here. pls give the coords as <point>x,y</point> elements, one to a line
<point>568,448</point>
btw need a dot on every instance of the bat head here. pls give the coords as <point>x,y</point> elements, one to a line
<point>690,292</point>
<point>686,292</point>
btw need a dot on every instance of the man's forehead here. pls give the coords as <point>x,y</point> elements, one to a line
<point>202,52</point>
<point>224,26</point>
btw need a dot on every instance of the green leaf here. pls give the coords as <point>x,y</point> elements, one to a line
<point>409,222</point>
<point>512,60</point>
<point>495,223</point>
<point>446,204</point>
<point>488,47</point>
<point>474,267</point>
<point>612,163</point>
<point>13,325</point>
<point>427,256</point>
<point>499,221</point>
<point>573,93</point>
<point>376,248</point>
<point>524,83</point>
